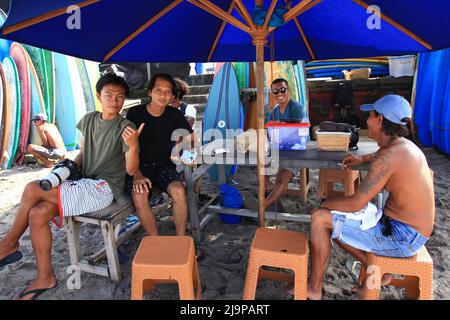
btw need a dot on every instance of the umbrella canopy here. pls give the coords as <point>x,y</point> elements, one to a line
<point>224,30</point>
<point>193,30</point>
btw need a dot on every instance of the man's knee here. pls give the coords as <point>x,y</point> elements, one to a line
<point>284,176</point>
<point>30,148</point>
<point>321,218</point>
<point>32,188</point>
<point>177,191</point>
<point>38,216</point>
<point>140,200</point>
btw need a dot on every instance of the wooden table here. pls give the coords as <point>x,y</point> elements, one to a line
<point>310,158</point>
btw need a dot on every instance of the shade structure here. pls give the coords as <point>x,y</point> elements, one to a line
<point>191,30</point>
<point>224,30</point>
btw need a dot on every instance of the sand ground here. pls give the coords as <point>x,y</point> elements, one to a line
<point>226,246</point>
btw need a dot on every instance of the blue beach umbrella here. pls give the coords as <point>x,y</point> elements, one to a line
<point>230,30</point>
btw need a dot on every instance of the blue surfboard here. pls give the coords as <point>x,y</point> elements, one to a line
<point>300,77</point>
<point>4,44</point>
<point>65,102</point>
<point>223,113</point>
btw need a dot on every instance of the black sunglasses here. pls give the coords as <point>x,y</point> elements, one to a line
<point>386,230</point>
<point>277,91</point>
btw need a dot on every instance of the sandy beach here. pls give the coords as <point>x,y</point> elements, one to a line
<point>226,246</point>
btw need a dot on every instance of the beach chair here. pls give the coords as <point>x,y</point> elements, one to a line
<point>165,259</point>
<point>417,273</point>
<point>109,220</point>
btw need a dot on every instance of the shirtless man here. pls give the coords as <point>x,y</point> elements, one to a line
<point>52,148</point>
<point>400,168</point>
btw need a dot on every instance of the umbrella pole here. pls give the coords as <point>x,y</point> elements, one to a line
<point>259,41</point>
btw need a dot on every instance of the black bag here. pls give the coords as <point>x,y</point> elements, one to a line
<point>330,126</point>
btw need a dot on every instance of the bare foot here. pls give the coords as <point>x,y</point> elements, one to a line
<point>37,287</point>
<point>385,280</point>
<point>314,294</point>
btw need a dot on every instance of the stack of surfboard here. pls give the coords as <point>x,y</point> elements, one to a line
<point>34,80</point>
<point>334,67</point>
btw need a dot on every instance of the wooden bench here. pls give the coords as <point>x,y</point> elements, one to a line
<point>109,220</point>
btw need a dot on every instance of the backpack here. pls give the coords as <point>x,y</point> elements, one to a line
<point>342,127</point>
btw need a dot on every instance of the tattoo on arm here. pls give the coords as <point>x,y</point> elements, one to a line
<point>378,170</point>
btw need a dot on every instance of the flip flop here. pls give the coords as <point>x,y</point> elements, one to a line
<point>354,267</point>
<point>199,255</point>
<point>11,258</point>
<point>35,292</point>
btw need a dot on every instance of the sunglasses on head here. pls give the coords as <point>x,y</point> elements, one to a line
<point>277,91</point>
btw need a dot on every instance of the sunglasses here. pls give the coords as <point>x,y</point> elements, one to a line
<point>277,91</point>
<point>386,230</point>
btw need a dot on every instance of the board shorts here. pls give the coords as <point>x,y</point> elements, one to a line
<point>401,241</point>
<point>82,196</point>
<point>161,175</point>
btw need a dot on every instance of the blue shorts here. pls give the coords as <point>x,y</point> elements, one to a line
<point>403,242</point>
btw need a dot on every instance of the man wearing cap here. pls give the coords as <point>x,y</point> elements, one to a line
<point>406,220</point>
<point>52,148</point>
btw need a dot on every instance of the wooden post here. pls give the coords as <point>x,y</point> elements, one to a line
<point>192,205</point>
<point>259,40</point>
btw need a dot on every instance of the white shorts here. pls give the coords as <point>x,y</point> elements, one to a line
<point>82,196</point>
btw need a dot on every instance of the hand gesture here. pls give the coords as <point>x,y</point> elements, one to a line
<point>130,136</point>
<point>350,161</point>
<point>141,184</point>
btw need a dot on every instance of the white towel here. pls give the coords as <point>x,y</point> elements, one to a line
<point>369,216</point>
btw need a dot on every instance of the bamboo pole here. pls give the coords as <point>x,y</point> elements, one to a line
<point>397,25</point>
<point>269,13</point>
<point>45,17</point>
<point>219,34</point>
<point>219,13</point>
<point>141,29</point>
<point>259,40</point>
<point>245,14</point>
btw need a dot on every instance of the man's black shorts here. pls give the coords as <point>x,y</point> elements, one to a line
<point>161,174</point>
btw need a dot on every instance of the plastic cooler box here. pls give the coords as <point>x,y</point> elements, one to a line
<point>288,136</point>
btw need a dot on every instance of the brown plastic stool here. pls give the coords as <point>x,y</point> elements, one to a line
<point>165,260</point>
<point>303,186</point>
<point>280,249</point>
<point>327,178</point>
<point>417,272</point>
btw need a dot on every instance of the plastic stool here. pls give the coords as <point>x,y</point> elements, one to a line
<point>327,178</point>
<point>165,259</point>
<point>280,249</point>
<point>417,272</point>
<point>303,186</point>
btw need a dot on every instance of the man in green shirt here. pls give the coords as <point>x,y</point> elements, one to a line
<point>109,149</point>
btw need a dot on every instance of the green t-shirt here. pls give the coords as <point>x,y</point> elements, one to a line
<point>104,149</point>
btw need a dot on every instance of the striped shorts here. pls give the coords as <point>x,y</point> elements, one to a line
<point>82,196</point>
